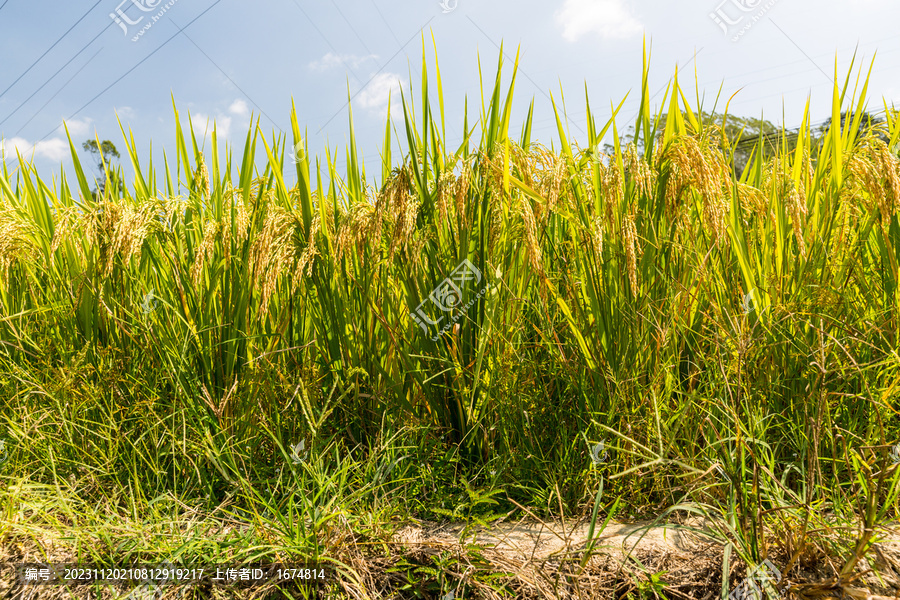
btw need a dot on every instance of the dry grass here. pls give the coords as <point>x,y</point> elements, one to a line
<point>526,559</point>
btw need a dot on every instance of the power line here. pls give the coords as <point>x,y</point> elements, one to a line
<point>221,70</point>
<point>352,28</point>
<point>89,61</point>
<point>663,87</point>
<point>740,76</point>
<point>58,71</point>
<point>129,71</point>
<point>381,14</point>
<point>4,4</point>
<point>793,133</point>
<point>68,31</point>
<point>328,41</point>
<point>377,73</point>
<point>802,51</point>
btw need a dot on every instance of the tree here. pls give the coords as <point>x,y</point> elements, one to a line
<point>744,133</point>
<point>868,123</point>
<point>104,153</point>
<point>741,134</point>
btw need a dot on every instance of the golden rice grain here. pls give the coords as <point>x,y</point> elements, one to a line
<point>693,163</point>
<point>875,178</point>
<point>632,251</point>
<point>18,241</point>
<point>531,239</point>
<point>272,251</point>
<point>206,248</point>
<point>306,260</point>
<point>201,177</point>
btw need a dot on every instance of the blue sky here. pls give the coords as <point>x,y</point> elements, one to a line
<point>233,60</point>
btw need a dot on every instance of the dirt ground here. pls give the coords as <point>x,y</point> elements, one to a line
<point>533,559</point>
<point>541,557</point>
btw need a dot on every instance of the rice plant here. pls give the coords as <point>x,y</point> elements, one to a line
<point>727,339</point>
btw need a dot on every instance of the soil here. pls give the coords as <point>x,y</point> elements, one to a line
<point>687,557</point>
<point>534,559</point>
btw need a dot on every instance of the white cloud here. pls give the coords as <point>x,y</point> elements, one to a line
<point>236,117</point>
<point>239,108</point>
<point>203,125</point>
<point>55,149</point>
<point>375,95</point>
<point>608,18</point>
<point>201,122</point>
<point>77,127</point>
<point>332,60</point>
<point>126,113</point>
<point>8,148</point>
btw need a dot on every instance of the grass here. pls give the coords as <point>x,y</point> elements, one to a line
<point>210,351</point>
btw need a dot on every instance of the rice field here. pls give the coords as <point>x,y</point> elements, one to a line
<point>209,364</point>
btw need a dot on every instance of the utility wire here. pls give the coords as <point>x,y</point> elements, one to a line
<point>350,25</point>
<point>377,73</point>
<point>221,70</point>
<point>58,71</point>
<point>4,4</point>
<point>62,68</point>
<point>802,51</point>
<point>381,14</point>
<point>793,133</point>
<point>68,31</point>
<point>129,71</point>
<point>89,61</point>
<point>327,41</point>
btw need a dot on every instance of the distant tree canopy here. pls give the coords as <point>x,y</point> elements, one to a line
<point>867,123</point>
<point>744,133</point>
<point>104,153</point>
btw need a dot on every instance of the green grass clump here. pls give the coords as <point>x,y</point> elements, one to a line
<point>211,337</point>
